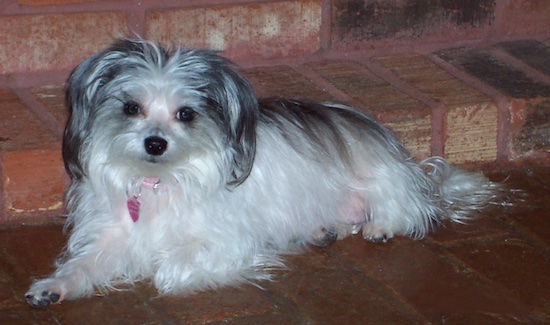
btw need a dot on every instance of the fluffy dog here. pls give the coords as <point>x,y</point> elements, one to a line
<point>181,176</point>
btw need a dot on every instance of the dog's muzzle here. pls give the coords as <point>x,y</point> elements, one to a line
<point>155,145</point>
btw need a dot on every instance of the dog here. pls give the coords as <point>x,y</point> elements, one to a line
<point>182,177</point>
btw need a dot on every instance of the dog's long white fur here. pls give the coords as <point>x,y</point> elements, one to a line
<point>239,185</point>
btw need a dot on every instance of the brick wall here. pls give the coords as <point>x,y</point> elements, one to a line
<point>54,35</point>
<point>468,80</point>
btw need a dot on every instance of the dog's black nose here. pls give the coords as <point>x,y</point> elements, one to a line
<point>155,146</point>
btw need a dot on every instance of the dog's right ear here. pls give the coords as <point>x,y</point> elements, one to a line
<point>82,96</point>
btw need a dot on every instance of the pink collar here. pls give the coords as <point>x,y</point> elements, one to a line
<point>151,183</point>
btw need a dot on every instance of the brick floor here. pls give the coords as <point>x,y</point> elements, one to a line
<point>477,105</point>
<point>494,270</point>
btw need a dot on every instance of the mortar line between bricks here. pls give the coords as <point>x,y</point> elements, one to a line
<point>503,104</point>
<point>275,294</point>
<point>68,8</point>
<point>437,107</point>
<point>325,31</point>
<point>122,6</point>
<point>529,71</point>
<point>136,22</point>
<point>461,267</point>
<point>384,290</point>
<point>54,317</point>
<point>498,23</point>
<point>439,134</point>
<point>3,216</point>
<point>40,111</point>
<point>525,234</point>
<point>34,79</point>
<point>323,84</point>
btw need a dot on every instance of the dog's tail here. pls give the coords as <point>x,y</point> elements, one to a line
<point>463,194</point>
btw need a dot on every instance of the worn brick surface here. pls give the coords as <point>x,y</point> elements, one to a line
<point>32,182</point>
<point>532,52</point>
<point>470,122</point>
<point>482,228</point>
<point>471,133</point>
<point>516,265</point>
<point>55,42</point>
<point>21,252</point>
<point>115,309</point>
<point>529,105</point>
<point>283,81</point>
<point>436,289</point>
<point>32,170</point>
<point>324,286</point>
<point>408,118</point>
<point>53,99</point>
<point>497,278</point>
<point>530,126</point>
<point>54,2</point>
<point>15,117</point>
<point>529,215</point>
<point>214,305</point>
<point>379,20</point>
<point>10,309</point>
<point>264,30</point>
<point>495,72</point>
<point>524,17</point>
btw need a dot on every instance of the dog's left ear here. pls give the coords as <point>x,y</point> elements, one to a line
<point>237,106</point>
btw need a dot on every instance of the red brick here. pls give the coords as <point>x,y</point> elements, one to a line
<point>126,307</point>
<point>32,168</point>
<point>514,264</point>
<point>470,122</point>
<point>53,98</point>
<point>52,2</point>
<point>32,181</point>
<point>329,289</point>
<point>10,309</point>
<point>267,29</point>
<point>529,213</point>
<point>406,116</point>
<point>530,130</point>
<point>211,306</point>
<point>486,226</point>
<point>471,132</point>
<point>19,128</point>
<point>428,282</point>
<point>55,42</point>
<point>386,20</point>
<point>276,318</point>
<point>30,251</point>
<point>524,18</point>
<point>283,81</point>
<point>531,52</point>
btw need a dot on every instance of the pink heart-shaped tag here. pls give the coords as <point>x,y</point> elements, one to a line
<point>133,208</point>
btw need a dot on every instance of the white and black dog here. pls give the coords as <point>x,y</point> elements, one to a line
<point>181,176</point>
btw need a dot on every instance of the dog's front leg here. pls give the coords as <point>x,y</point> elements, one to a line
<point>94,264</point>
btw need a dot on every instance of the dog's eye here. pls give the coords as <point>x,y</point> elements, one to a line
<point>185,114</point>
<point>131,108</point>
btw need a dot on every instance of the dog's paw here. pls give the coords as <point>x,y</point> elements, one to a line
<point>376,234</point>
<point>45,292</point>
<point>324,237</point>
<point>42,299</point>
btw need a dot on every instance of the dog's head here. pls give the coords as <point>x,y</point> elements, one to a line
<point>150,111</point>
